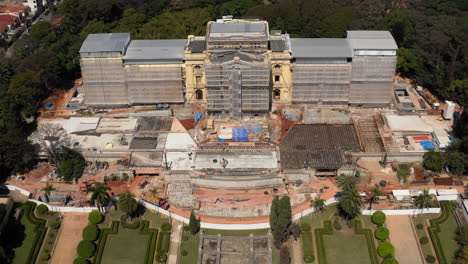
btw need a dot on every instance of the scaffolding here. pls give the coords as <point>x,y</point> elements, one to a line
<point>148,84</point>
<point>327,83</point>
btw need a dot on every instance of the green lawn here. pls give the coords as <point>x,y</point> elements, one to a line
<point>126,247</point>
<point>423,219</point>
<point>22,252</point>
<point>344,248</point>
<point>447,234</point>
<point>191,245</point>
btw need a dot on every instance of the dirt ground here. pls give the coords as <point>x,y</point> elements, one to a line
<point>404,239</point>
<point>70,236</point>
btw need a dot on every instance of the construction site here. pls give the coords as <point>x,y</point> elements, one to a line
<point>223,123</point>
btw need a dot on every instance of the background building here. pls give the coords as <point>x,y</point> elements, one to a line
<point>239,67</point>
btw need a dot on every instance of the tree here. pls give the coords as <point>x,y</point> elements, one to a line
<point>154,193</point>
<point>373,193</point>
<point>100,194</point>
<point>350,203</point>
<point>282,220</point>
<point>456,162</point>
<point>5,73</point>
<point>274,212</point>
<point>347,181</point>
<point>194,224</point>
<point>51,139</point>
<point>424,199</point>
<point>71,164</point>
<point>27,91</point>
<point>47,190</point>
<point>433,160</point>
<point>318,204</point>
<point>127,203</point>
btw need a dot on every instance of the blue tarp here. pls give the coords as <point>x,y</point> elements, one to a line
<point>49,106</point>
<point>197,118</point>
<point>427,145</point>
<point>240,134</point>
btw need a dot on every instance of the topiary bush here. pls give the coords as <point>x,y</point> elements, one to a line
<point>95,217</point>
<point>185,238</point>
<point>162,257</point>
<point>430,259</point>
<point>41,209</point>
<point>86,249</point>
<point>184,252</point>
<point>336,224</point>
<point>390,260</point>
<point>378,218</point>
<point>133,225</point>
<point>419,226</point>
<point>424,240</point>
<point>309,258</point>
<point>45,256</point>
<point>90,233</point>
<point>166,227</point>
<point>55,225</point>
<point>124,217</point>
<point>80,261</point>
<point>305,227</point>
<point>386,249</point>
<point>381,233</point>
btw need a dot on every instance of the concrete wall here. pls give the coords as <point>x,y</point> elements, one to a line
<point>399,157</point>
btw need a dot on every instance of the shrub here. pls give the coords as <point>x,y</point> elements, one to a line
<point>80,261</point>
<point>161,257</point>
<point>164,242</point>
<point>184,252</point>
<point>95,217</point>
<point>390,260</point>
<point>430,259</point>
<point>166,227</point>
<point>378,218</point>
<point>86,249</point>
<point>381,233</point>
<point>41,209</point>
<point>419,226</point>
<point>184,238</point>
<point>124,217</point>
<point>55,225</point>
<point>90,233</point>
<point>309,258</point>
<point>386,249</point>
<point>305,227</point>
<point>336,224</point>
<point>186,228</point>
<point>424,240</point>
<point>133,225</point>
<point>45,256</point>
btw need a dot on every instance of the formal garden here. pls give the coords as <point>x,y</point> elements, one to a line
<point>31,238</point>
<point>128,235</point>
<point>439,235</point>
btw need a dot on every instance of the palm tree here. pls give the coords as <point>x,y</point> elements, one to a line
<point>350,203</point>
<point>319,204</point>
<point>100,194</point>
<point>48,189</point>
<point>347,181</point>
<point>424,199</point>
<point>127,203</point>
<point>373,194</point>
<point>154,193</point>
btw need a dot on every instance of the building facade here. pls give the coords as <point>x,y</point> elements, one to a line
<point>239,66</point>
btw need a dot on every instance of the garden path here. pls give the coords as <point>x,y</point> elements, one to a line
<point>296,254</point>
<point>70,236</point>
<point>404,238</point>
<point>175,241</point>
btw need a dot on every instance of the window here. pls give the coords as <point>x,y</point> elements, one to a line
<point>277,94</point>
<point>198,79</point>
<point>277,67</point>
<point>199,94</point>
<point>277,78</point>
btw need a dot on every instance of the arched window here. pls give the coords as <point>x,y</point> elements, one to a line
<point>277,94</point>
<point>277,67</point>
<point>199,94</point>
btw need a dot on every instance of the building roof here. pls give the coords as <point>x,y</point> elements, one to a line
<point>320,48</point>
<point>197,45</point>
<point>106,42</point>
<point>156,51</point>
<point>238,29</point>
<point>9,17</point>
<point>13,7</point>
<point>277,45</point>
<point>371,40</point>
<point>144,143</point>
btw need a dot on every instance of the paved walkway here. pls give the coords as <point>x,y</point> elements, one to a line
<point>176,235</point>
<point>296,251</point>
<point>404,239</point>
<point>70,236</point>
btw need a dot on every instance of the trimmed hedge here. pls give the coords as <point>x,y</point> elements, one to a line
<point>95,217</point>
<point>184,252</point>
<point>44,256</point>
<point>305,227</point>
<point>144,230</point>
<point>80,261</point>
<point>434,229</point>
<point>55,225</point>
<point>166,227</point>
<point>336,224</point>
<point>90,233</point>
<point>133,225</point>
<point>430,259</point>
<point>39,228</point>
<point>42,209</point>
<point>378,218</point>
<point>86,249</point>
<point>381,233</point>
<point>319,233</point>
<point>369,240</point>
<point>386,249</point>
<point>309,258</point>
<point>419,226</point>
<point>390,260</point>
<point>164,242</point>
<point>161,257</point>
